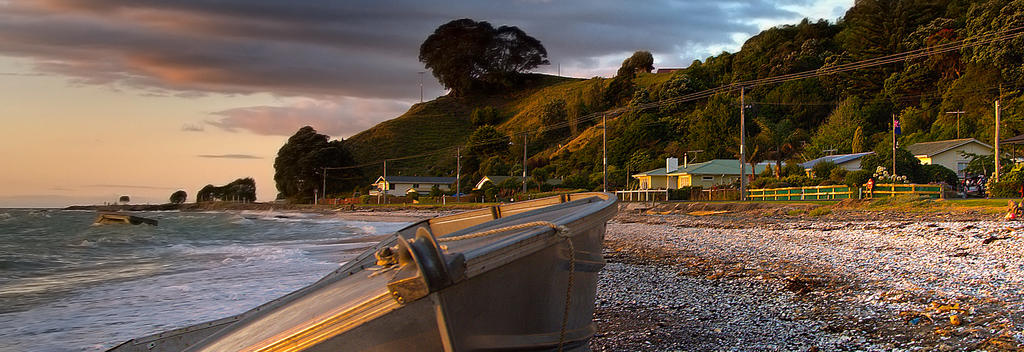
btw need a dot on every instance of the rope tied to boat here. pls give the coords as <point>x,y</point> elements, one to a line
<point>560,231</point>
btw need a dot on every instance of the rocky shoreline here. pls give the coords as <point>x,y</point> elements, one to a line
<point>746,281</point>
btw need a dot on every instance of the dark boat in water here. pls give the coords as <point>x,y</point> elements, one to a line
<point>105,219</point>
<point>512,277</point>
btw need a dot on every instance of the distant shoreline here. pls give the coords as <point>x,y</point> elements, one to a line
<point>371,213</point>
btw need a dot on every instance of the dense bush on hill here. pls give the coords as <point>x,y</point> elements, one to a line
<point>647,119</point>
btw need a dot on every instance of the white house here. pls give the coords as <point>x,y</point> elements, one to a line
<point>402,185</point>
<point>949,153</point>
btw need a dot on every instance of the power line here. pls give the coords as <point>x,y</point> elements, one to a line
<point>823,71</point>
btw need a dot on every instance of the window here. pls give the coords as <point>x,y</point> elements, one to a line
<point>415,185</point>
<point>391,186</point>
<point>960,167</point>
<point>707,178</point>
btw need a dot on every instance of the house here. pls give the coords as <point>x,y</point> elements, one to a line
<point>849,162</point>
<point>497,180</point>
<point>949,153</point>
<point>401,185</point>
<point>712,173</point>
<point>494,180</point>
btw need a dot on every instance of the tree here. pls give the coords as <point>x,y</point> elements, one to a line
<point>906,163</point>
<point>823,169</point>
<point>487,141</point>
<point>178,197</point>
<point>124,199</point>
<point>511,52</point>
<point>485,116</point>
<point>857,144</point>
<point>554,112</point>
<point>840,128</point>
<point>641,61</point>
<point>464,53</point>
<point>779,138</point>
<point>299,166</point>
<point>239,190</point>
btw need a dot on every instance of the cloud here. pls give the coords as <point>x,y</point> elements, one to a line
<point>229,156</point>
<point>341,118</point>
<point>127,186</point>
<point>358,48</point>
<point>191,127</point>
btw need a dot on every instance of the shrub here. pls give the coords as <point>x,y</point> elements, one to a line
<point>857,178</point>
<point>682,193</point>
<point>821,211</point>
<point>485,116</point>
<point>1009,184</point>
<point>799,180</point>
<point>795,212</point>
<point>935,173</point>
<point>793,169</point>
<point>1003,189</point>
<point>838,175</point>
<point>823,169</point>
<point>365,199</point>
<point>413,195</point>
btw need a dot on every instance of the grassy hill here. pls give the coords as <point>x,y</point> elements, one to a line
<point>441,123</point>
<point>792,121</point>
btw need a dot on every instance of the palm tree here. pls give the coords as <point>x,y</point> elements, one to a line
<point>778,138</point>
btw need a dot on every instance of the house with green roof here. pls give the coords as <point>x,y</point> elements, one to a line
<point>717,172</point>
<point>949,153</point>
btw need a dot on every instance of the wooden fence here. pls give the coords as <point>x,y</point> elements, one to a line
<point>803,193</point>
<point>889,190</point>
<point>846,192</point>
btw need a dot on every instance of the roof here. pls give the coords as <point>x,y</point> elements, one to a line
<point>835,159</point>
<point>713,167</point>
<point>419,179</point>
<point>1013,140</point>
<point>495,180</point>
<point>932,148</point>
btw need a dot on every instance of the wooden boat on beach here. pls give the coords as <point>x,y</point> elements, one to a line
<point>511,277</point>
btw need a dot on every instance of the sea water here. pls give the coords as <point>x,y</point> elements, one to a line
<point>68,285</point>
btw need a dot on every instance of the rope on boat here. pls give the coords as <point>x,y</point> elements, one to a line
<point>560,231</point>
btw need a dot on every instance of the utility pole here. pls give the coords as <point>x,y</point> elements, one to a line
<point>996,155</point>
<point>324,189</point>
<point>743,143</point>
<point>421,85</point>
<point>894,144</point>
<point>458,173</point>
<point>524,164</point>
<point>958,113</point>
<point>385,181</point>
<point>604,148</point>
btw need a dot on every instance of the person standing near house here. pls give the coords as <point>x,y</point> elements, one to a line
<point>871,187</point>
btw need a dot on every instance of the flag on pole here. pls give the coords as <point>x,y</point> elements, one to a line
<point>896,126</point>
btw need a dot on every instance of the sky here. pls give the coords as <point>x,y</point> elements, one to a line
<point>103,98</point>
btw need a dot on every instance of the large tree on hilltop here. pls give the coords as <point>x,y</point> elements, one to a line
<point>299,166</point>
<point>640,61</point>
<point>464,53</point>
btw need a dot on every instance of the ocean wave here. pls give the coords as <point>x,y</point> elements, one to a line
<point>234,253</point>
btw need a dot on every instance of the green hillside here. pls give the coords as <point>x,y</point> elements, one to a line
<point>790,120</point>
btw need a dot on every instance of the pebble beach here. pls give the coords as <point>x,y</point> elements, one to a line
<point>751,281</point>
